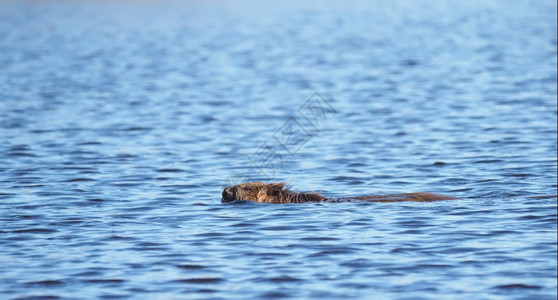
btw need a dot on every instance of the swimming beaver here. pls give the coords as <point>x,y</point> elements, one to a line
<point>280,193</point>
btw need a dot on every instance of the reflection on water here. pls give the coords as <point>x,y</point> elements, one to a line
<point>121,121</point>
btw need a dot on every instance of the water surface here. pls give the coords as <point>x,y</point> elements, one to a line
<point>121,122</point>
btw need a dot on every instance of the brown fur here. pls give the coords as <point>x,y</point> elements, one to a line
<point>280,193</point>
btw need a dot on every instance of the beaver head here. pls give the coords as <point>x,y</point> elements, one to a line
<point>267,193</point>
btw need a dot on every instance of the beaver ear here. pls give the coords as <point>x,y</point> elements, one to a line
<point>279,185</point>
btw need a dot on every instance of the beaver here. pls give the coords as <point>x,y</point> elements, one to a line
<point>281,193</point>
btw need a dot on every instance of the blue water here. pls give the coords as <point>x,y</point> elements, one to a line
<point>122,121</point>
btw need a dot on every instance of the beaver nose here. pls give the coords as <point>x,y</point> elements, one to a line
<point>227,195</point>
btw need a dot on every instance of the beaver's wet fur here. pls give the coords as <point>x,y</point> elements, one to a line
<point>280,193</point>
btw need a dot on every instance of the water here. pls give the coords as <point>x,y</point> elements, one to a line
<point>121,122</point>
